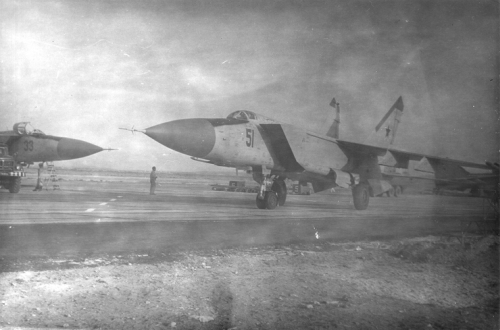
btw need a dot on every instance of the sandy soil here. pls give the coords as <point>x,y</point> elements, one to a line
<point>420,283</point>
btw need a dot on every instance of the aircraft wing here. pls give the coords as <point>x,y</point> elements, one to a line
<point>361,149</point>
<point>329,161</point>
<point>403,158</point>
<point>472,179</point>
<point>485,182</point>
<point>442,168</point>
<point>451,173</point>
<point>298,151</point>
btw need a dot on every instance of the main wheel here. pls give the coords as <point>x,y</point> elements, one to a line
<point>279,187</point>
<point>390,192</point>
<point>361,196</point>
<point>271,199</point>
<point>397,191</point>
<point>15,186</point>
<point>261,203</point>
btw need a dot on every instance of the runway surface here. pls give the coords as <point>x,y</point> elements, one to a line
<point>93,217</point>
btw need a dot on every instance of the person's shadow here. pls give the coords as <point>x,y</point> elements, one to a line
<point>222,303</point>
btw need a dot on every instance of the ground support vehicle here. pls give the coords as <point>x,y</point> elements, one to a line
<point>299,189</point>
<point>235,186</point>
<point>10,172</point>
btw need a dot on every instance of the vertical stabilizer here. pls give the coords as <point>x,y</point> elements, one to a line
<point>335,128</point>
<point>390,130</point>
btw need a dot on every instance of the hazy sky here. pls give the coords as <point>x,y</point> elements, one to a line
<point>82,69</point>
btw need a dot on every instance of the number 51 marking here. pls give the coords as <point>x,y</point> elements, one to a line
<point>250,137</point>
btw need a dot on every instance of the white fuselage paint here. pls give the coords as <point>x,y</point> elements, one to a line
<point>241,145</point>
<point>248,145</point>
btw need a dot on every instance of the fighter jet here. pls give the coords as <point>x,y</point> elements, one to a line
<point>276,151</point>
<point>28,145</point>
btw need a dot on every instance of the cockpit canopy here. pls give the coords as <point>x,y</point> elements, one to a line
<point>248,115</point>
<point>242,115</point>
<point>25,128</point>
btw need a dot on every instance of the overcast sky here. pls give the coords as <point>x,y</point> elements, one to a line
<point>82,69</point>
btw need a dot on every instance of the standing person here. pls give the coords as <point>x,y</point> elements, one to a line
<point>152,180</point>
<point>39,184</point>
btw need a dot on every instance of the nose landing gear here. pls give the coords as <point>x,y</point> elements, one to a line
<point>270,201</point>
<point>272,193</point>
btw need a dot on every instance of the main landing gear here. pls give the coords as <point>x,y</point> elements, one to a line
<point>272,193</point>
<point>361,196</point>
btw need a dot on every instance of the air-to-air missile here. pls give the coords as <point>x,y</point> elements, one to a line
<point>28,145</point>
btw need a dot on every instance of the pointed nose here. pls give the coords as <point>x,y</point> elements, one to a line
<point>71,148</point>
<point>194,137</point>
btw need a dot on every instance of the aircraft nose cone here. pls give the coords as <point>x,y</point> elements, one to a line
<point>71,148</point>
<point>194,137</point>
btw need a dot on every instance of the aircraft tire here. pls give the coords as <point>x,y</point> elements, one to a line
<point>397,191</point>
<point>261,203</point>
<point>279,187</point>
<point>15,186</point>
<point>390,192</point>
<point>361,197</point>
<point>271,200</point>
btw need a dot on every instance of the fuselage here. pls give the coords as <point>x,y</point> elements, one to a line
<point>247,139</point>
<point>27,145</point>
<point>225,142</point>
<point>46,148</point>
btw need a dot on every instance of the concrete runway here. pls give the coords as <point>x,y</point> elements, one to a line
<point>92,217</point>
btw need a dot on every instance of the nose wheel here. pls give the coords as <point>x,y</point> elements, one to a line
<point>269,202</point>
<point>279,187</point>
<point>272,193</point>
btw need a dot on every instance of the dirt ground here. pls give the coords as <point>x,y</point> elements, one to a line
<point>419,283</point>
